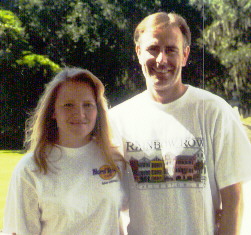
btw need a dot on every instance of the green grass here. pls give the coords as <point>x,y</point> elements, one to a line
<point>8,160</point>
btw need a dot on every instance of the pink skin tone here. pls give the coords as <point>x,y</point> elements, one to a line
<point>75,114</point>
<point>162,55</point>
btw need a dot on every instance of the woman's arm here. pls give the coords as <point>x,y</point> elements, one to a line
<point>22,214</point>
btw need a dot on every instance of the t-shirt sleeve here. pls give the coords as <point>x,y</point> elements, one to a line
<point>21,214</point>
<point>232,150</point>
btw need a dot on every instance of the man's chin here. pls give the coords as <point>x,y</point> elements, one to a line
<point>158,84</point>
<point>161,87</point>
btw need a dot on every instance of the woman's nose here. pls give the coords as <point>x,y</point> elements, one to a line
<point>79,112</point>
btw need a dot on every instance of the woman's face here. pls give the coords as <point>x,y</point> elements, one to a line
<point>75,112</point>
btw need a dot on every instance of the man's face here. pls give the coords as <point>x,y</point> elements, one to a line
<point>162,55</point>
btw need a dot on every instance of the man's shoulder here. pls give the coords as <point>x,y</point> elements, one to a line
<point>207,97</point>
<point>209,102</point>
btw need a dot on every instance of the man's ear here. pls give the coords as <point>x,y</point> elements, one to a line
<point>137,49</point>
<point>186,53</point>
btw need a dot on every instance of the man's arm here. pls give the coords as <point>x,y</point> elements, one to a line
<point>232,210</point>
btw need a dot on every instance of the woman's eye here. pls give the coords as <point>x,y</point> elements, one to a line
<point>89,105</point>
<point>68,105</point>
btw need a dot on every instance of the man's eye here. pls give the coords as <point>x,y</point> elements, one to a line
<point>171,50</point>
<point>152,48</point>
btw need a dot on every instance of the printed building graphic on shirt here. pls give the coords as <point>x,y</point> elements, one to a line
<point>183,167</point>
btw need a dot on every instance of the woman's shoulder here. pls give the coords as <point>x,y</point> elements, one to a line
<point>118,158</point>
<point>26,163</point>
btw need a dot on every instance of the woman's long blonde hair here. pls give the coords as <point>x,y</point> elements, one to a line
<point>41,129</point>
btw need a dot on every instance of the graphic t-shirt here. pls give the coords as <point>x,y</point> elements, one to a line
<point>180,157</point>
<point>80,195</point>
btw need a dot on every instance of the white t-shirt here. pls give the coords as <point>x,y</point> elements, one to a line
<point>181,154</point>
<point>81,196</point>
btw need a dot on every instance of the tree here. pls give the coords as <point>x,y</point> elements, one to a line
<point>96,35</point>
<point>227,36</point>
<point>88,33</point>
<point>22,78</point>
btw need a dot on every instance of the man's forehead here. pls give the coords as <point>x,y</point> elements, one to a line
<point>161,29</point>
<point>154,33</point>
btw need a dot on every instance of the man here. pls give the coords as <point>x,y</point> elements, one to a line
<point>187,149</point>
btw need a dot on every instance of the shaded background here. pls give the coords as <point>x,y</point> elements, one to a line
<point>37,37</point>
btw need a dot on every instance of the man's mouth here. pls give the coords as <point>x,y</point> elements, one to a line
<point>161,70</point>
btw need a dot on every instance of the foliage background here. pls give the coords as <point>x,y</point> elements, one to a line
<point>37,37</point>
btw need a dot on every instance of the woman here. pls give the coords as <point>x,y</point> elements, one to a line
<point>69,181</point>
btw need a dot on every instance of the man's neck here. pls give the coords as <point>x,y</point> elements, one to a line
<point>168,96</point>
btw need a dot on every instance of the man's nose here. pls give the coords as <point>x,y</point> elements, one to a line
<point>162,57</point>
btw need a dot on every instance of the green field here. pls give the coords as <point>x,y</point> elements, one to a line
<point>247,124</point>
<point>8,160</point>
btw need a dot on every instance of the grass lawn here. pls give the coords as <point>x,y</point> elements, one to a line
<point>8,160</point>
<point>247,124</point>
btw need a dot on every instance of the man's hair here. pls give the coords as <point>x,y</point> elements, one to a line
<point>41,128</point>
<point>162,20</point>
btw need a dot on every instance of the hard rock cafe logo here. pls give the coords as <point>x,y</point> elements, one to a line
<point>105,172</point>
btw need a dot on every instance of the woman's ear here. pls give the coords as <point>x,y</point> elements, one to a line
<point>53,115</point>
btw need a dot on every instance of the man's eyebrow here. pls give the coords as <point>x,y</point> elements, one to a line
<point>172,47</point>
<point>152,45</point>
